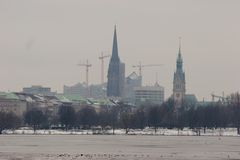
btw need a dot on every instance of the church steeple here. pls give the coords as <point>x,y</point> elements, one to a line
<point>179,80</point>
<point>115,46</point>
<point>179,50</point>
<point>179,59</point>
<point>116,71</point>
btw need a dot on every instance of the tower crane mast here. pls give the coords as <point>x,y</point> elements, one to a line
<point>222,98</point>
<point>140,66</point>
<point>102,57</point>
<point>87,65</point>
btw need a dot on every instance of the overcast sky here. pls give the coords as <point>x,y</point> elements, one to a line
<point>42,41</point>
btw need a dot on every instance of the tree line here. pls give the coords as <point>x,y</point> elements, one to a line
<point>211,116</point>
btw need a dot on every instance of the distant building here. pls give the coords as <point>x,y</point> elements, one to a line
<point>179,88</point>
<point>190,101</point>
<point>46,91</point>
<point>81,90</point>
<point>149,95</point>
<point>47,104</point>
<point>97,91</point>
<point>9,102</point>
<point>19,103</point>
<point>78,89</point>
<point>131,82</point>
<point>122,79</point>
<point>116,72</point>
<point>205,103</point>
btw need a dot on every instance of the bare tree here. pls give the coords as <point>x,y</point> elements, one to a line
<point>87,117</point>
<point>235,101</point>
<point>67,116</point>
<point>127,121</point>
<point>9,120</point>
<point>154,117</point>
<point>35,118</point>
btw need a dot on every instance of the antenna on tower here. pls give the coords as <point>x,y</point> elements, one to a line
<point>156,77</point>
<point>180,44</point>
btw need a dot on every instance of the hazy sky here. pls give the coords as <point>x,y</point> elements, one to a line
<point>42,41</point>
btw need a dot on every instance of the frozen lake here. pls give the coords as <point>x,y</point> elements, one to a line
<point>99,147</point>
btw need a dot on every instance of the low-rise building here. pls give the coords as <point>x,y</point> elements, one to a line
<point>9,102</point>
<point>46,91</point>
<point>19,103</point>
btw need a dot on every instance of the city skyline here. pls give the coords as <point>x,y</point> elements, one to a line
<point>44,48</point>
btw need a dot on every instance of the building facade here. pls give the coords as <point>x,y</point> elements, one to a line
<point>132,81</point>
<point>116,72</point>
<point>153,95</point>
<point>81,90</point>
<point>9,102</point>
<point>78,89</point>
<point>179,84</point>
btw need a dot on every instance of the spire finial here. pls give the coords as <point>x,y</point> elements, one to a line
<point>156,83</point>
<point>180,38</point>
<point>156,77</point>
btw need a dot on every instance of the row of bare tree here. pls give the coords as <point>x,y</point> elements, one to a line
<point>213,115</point>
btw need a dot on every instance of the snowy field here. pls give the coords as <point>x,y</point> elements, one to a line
<point>118,147</point>
<point>147,131</point>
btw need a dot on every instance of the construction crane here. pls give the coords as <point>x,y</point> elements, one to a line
<point>140,66</point>
<point>102,57</point>
<point>222,98</point>
<point>87,65</point>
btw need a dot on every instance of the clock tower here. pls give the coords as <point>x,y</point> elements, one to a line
<point>179,88</point>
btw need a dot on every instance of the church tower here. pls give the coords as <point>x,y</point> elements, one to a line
<point>116,71</point>
<point>179,88</point>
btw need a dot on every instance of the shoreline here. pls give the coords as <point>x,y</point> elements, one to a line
<point>228,132</point>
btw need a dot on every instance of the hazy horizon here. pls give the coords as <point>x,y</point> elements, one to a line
<point>41,42</point>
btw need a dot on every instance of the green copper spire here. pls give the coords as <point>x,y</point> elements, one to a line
<point>179,50</point>
<point>179,59</point>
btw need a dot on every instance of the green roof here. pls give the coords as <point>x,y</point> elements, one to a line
<point>76,98</point>
<point>191,98</point>
<point>105,102</point>
<point>205,103</point>
<point>8,95</point>
<point>62,98</point>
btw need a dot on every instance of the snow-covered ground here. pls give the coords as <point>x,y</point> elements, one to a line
<point>118,147</point>
<point>146,131</point>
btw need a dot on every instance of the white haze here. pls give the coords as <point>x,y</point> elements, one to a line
<point>41,41</point>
